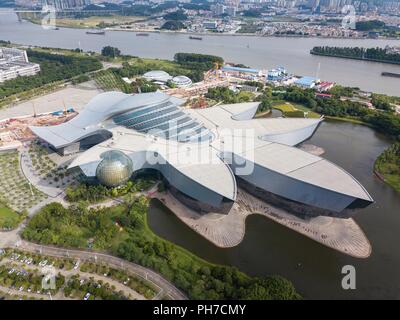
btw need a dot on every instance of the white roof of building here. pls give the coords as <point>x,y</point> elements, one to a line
<point>157,75</point>
<point>181,80</point>
<point>196,161</point>
<point>305,167</point>
<point>92,117</point>
<point>222,117</point>
<point>201,161</point>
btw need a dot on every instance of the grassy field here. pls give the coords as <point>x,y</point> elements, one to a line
<point>9,219</point>
<point>15,190</point>
<point>294,110</point>
<point>90,22</point>
<point>169,66</point>
<point>285,107</point>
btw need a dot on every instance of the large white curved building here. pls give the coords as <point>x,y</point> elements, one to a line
<point>157,75</point>
<point>203,154</point>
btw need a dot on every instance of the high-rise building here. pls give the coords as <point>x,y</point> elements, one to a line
<point>231,11</point>
<point>218,9</point>
<point>28,3</point>
<point>66,4</point>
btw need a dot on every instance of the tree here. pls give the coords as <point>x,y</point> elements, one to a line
<point>109,51</point>
<point>176,16</point>
<point>173,25</point>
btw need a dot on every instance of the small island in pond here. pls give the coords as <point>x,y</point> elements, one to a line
<point>387,166</point>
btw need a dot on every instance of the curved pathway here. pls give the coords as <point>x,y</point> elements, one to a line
<point>227,230</point>
<point>165,287</point>
<point>127,291</point>
<point>12,239</point>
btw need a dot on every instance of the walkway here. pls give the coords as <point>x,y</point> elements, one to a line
<point>227,230</point>
<point>156,279</point>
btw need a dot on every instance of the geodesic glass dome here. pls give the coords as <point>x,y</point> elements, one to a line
<point>115,169</point>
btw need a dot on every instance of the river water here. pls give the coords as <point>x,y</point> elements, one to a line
<point>257,52</point>
<point>269,248</point>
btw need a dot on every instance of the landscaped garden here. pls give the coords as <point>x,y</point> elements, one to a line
<point>294,110</point>
<point>15,190</point>
<point>58,176</point>
<point>95,193</point>
<point>123,231</point>
<point>109,81</point>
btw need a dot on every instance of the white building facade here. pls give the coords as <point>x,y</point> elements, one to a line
<point>15,63</point>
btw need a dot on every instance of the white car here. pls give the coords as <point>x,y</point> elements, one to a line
<point>43,263</point>
<point>87,296</point>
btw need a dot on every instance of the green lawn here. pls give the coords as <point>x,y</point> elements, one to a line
<point>294,110</point>
<point>285,107</point>
<point>9,219</point>
<point>311,114</point>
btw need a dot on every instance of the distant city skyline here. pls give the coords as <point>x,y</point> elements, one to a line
<point>230,7</point>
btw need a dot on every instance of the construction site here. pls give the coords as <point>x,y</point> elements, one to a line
<point>14,132</point>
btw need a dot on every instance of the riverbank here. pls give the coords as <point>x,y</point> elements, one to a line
<point>350,120</point>
<point>93,22</point>
<point>387,166</point>
<point>259,52</point>
<point>353,58</point>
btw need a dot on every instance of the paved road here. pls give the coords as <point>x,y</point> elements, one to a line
<point>13,239</point>
<point>114,262</point>
<point>83,275</point>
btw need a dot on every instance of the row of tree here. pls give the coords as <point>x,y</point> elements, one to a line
<point>377,54</point>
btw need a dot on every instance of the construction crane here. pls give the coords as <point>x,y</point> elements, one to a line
<point>216,65</point>
<point>34,110</point>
